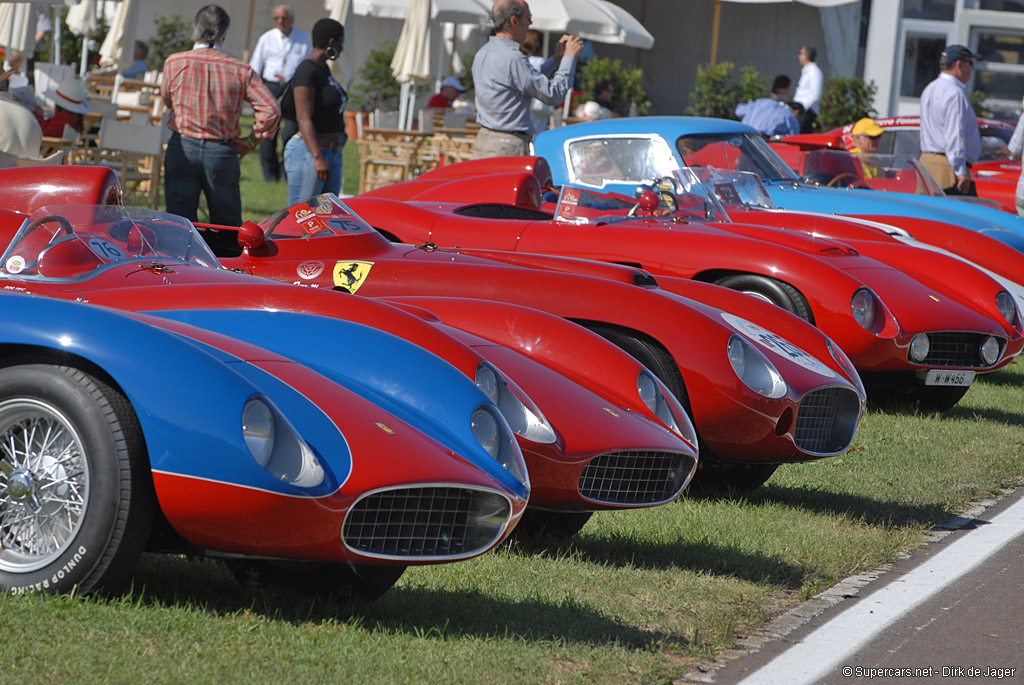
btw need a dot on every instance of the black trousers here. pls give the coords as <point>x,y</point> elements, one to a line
<point>270,159</point>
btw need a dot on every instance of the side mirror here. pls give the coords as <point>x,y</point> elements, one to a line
<point>250,235</point>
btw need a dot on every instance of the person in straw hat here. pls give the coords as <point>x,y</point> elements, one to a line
<point>71,104</point>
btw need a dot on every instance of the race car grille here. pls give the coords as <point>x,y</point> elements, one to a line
<point>635,476</point>
<point>826,420</point>
<point>426,522</point>
<point>957,348</point>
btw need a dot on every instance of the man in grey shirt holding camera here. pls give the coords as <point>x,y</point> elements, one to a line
<point>505,82</point>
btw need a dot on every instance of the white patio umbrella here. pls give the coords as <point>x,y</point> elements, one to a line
<point>18,27</point>
<point>411,63</point>
<point>718,15</point>
<point>122,33</point>
<point>81,21</point>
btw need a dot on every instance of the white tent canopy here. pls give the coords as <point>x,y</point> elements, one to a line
<point>596,20</point>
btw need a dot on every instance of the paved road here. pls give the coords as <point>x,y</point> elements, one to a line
<point>952,612</point>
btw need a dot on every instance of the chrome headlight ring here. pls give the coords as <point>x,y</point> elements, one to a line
<point>276,446</point>
<point>655,397</point>
<point>754,369</point>
<point>845,364</point>
<point>864,306</point>
<point>494,435</point>
<point>1006,306</point>
<point>524,417</point>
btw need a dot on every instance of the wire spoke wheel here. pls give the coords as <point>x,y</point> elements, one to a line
<point>44,484</point>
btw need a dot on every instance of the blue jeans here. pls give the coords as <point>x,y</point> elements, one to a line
<point>302,181</point>
<point>192,165</point>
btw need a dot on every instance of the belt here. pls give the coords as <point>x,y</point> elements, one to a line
<point>518,134</point>
<point>330,145</point>
<point>219,141</point>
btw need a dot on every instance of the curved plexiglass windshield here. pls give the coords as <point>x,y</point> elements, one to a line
<point>681,196</point>
<point>735,187</point>
<point>320,216</point>
<point>895,173</point>
<point>738,151</point>
<point>65,242</point>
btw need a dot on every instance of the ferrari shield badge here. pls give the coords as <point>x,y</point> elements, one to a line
<point>351,275</point>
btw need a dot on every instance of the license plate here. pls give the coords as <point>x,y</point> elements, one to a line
<point>940,377</point>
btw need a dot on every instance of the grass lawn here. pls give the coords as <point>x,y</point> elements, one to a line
<point>639,596</point>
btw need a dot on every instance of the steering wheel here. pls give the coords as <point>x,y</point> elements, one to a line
<point>64,224</point>
<point>834,183</point>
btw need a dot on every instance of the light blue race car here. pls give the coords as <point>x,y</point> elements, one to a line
<point>618,154</point>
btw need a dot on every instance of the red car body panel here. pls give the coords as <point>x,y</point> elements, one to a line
<point>734,422</point>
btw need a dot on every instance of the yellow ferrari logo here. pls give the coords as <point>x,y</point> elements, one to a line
<point>935,298</point>
<point>350,275</point>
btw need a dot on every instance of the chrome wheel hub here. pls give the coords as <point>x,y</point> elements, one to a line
<point>44,484</point>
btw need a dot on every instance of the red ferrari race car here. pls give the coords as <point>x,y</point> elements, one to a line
<point>748,201</point>
<point>995,175</point>
<point>604,434</point>
<point>755,379</point>
<point>875,312</point>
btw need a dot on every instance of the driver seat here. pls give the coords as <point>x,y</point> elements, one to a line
<point>67,258</point>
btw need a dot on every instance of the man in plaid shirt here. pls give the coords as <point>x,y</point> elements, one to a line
<point>204,89</point>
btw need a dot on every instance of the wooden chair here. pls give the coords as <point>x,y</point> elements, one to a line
<point>390,155</point>
<point>135,152</point>
<point>455,144</point>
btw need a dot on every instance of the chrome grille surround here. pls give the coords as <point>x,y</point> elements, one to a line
<point>957,349</point>
<point>426,522</point>
<point>636,477</point>
<point>826,420</point>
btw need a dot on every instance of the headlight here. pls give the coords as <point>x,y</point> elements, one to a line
<point>754,369</point>
<point>258,430</point>
<point>1006,306</point>
<point>990,350</point>
<point>655,396</point>
<point>277,447</point>
<point>523,417</point>
<point>845,364</point>
<point>494,436</point>
<point>862,304</point>
<point>920,346</point>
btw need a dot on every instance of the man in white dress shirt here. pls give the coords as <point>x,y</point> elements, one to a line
<point>278,53</point>
<point>950,141</point>
<point>809,87</point>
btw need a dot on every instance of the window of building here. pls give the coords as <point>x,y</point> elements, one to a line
<point>937,10</point>
<point>997,5</point>
<point>920,61</point>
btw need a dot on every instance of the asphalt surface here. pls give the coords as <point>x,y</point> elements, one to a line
<point>951,612</point>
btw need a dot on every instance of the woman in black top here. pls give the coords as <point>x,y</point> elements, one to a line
<point>312,159</point>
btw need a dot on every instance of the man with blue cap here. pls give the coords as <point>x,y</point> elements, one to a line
<point>950,141</point>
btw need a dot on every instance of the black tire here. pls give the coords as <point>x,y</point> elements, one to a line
<point>560,525</point>
<point>777,292</point>
<point>715,476</point>
<point>76,493</point>
<point>345,582</point>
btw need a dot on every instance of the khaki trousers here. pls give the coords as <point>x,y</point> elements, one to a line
<point>490,143</point>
